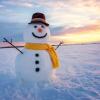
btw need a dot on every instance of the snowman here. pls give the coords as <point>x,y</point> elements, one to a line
<point>39,58</point>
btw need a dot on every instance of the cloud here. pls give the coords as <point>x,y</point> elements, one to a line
<point>86,34</point>
<point>21,3</point>
<point>85,29</point>
<point>73,13</point>
<point>69,13</point>
<point>1,6</point>
<point>8,15</point>
<point>91,28</point>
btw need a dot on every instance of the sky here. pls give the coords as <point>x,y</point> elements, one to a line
<point>74,21</point>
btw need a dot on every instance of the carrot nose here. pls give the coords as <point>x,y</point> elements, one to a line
<point>39,30</point>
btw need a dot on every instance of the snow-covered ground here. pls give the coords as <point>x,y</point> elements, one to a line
<point>77,79</point>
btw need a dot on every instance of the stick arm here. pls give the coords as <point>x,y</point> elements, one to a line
<point>12,45</point>
<point>61,42</point>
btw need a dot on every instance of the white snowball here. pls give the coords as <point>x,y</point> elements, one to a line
<point>28,37</point>
<point>26,67</point>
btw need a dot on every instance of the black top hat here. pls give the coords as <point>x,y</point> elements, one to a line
<point>38,18</point>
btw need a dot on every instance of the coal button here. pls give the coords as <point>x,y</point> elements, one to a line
<point>37,69</point>
<point>36,62</point>
<point>37,55</point>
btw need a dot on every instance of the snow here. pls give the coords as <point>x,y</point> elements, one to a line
<point>77,79</point>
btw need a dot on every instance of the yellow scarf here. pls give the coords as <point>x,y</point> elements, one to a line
<point>49,48</point>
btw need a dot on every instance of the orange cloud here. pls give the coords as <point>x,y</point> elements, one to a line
<point>85,29</point>
<point>74,13</point>
<point>86,34</point>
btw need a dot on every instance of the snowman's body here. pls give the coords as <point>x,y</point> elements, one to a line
<point>34,65</point>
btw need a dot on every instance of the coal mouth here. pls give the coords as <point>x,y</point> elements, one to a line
<point>39,36</point>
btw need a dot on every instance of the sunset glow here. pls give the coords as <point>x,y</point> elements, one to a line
<point>78,38</point>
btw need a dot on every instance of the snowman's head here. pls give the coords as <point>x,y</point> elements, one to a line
<point>37,30</point>
<point>37,33</point>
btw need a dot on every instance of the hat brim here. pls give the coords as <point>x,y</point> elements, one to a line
<point>32,22</point>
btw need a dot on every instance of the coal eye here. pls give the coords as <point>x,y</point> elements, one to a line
<point>42,26</point>
<point>35,26</point>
